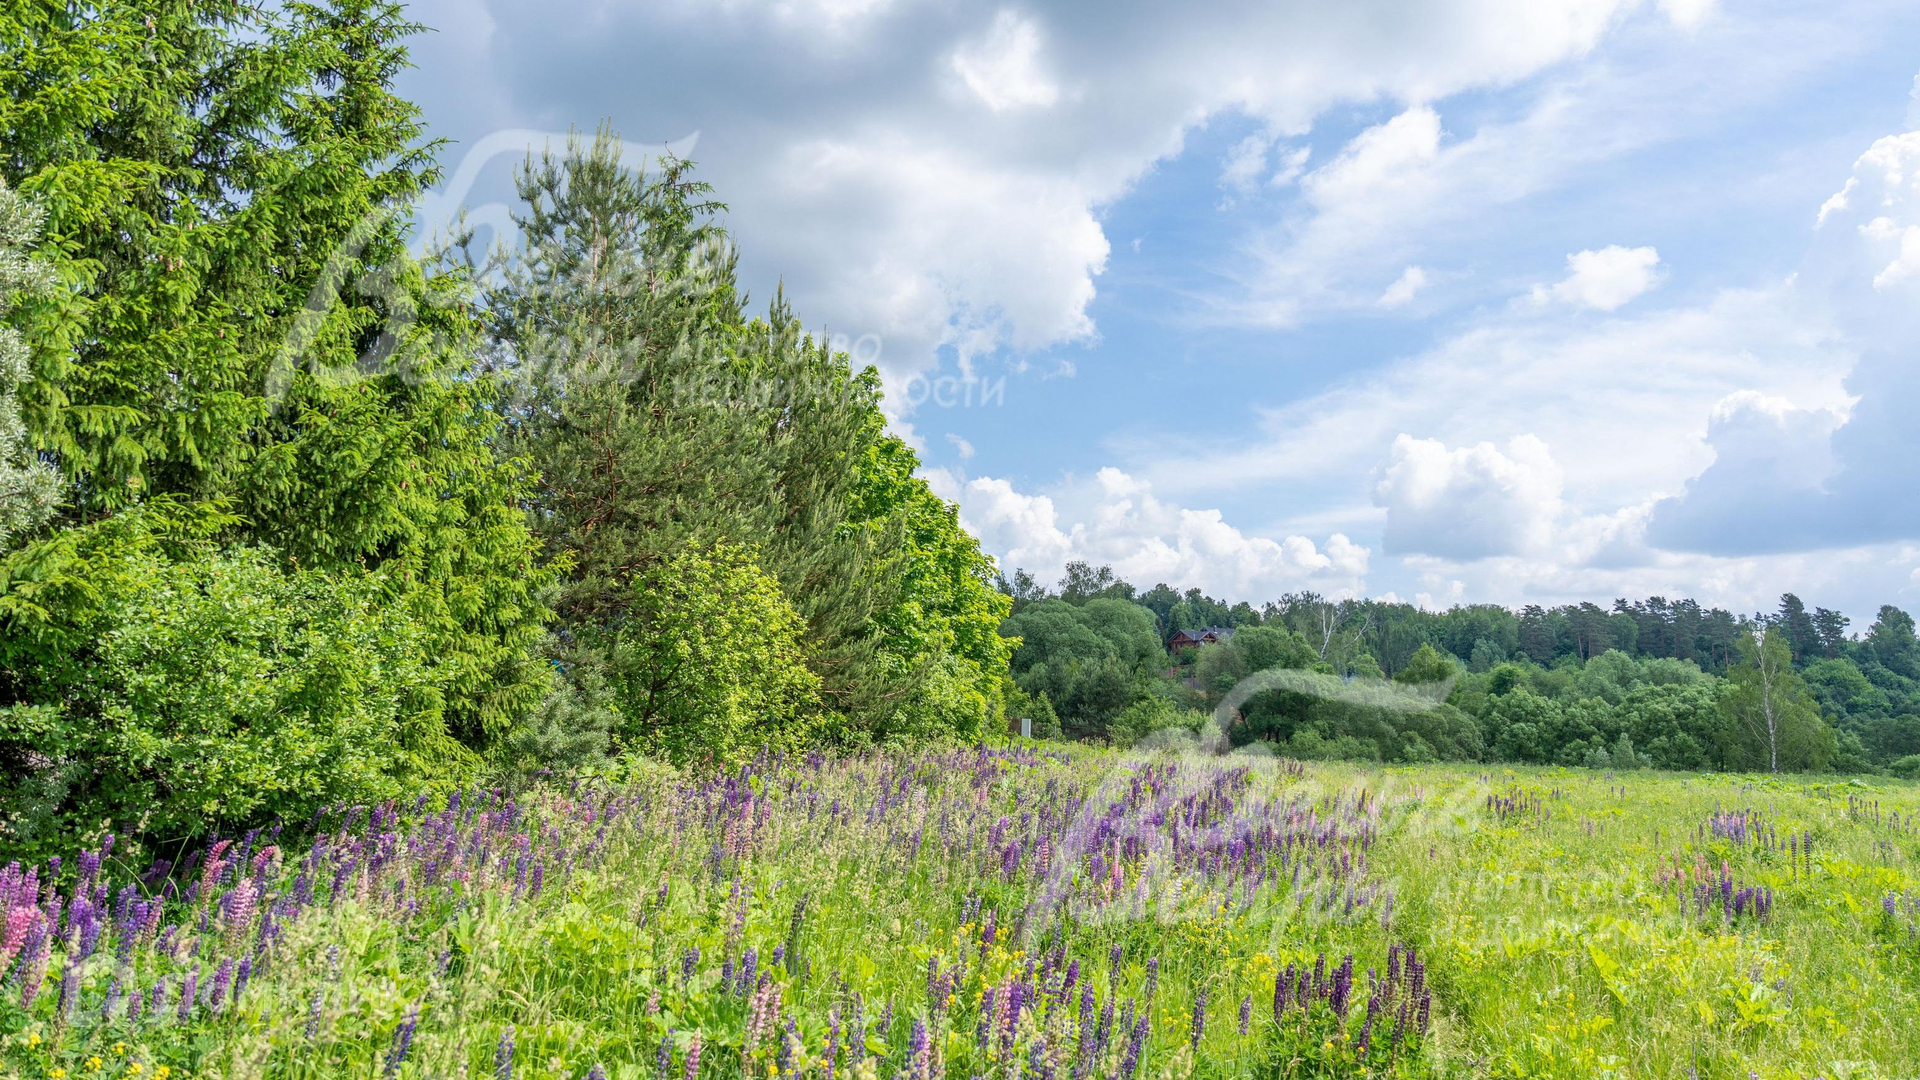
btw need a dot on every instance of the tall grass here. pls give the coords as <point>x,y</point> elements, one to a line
<point>1063,913</point>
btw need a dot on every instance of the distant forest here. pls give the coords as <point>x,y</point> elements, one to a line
<point>1658,682</point>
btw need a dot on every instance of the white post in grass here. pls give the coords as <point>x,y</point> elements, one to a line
<point>1026,728</point>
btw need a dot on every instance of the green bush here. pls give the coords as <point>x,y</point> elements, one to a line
<point>1907,767</point>
<point>169,688</point>
<point>708,660</point>
<point>1149,716</point>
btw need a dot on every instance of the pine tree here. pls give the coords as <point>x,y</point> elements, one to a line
<point>1803,635</point>
<point>662,420</point>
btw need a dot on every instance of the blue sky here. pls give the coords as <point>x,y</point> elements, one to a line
<point>1460,300</point>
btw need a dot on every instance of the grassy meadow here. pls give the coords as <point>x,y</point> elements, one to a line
<point>1023,911</point>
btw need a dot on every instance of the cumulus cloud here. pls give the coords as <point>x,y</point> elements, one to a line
<point>1790,474</point>
<point>1471,502</point>
<point>936,175</point>
<point>961,446</point>
<point>1688,14</point>
<point>1293,163</point>
<point>1768,453</point>
<point>1378,160</point>
<point>1119,521</point>
<point>1245,162</point>
<point>1003,69</point>
<point>1605,279</point>
<point>1403,289</point>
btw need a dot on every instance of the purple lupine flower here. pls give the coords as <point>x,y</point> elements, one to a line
<point>1246,1014</point>
<point>222,979</point>
<point>663,1058</point>
<point>187,994</point>
<point>693,1058</point>
<point>69,988</point>
<point>1199,1019</point>
<point>919,1055</point>
<point>503,1056</point>
<point>402,1039</point>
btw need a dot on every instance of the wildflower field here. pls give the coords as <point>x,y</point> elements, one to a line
<point>1001,912</point>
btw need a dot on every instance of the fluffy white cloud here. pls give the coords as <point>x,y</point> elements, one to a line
<point>1403,289</point>
<point>1003,69</point>
<point>936,228</point>
<point>1469,503</point>
<point>1245,163</point>
<point>961,446</point>
<point>1604,279</point>
<point>1794,474</point>
<point>1688,13</point>
<point>1119,522</point>
<point>1626,401</point>
<point>1378,160</point>
<point>935,174</point>
<point>1293,163</point>
<point>1767,452</point>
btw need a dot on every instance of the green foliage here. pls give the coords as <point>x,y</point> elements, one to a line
<point>1147,719</point>
<point>1427,666</point>
<point>162,686</point>
<point>29,488</point>
<point>1561,942</point>
<point>239,324</point>
<point>1037,708</point>
<point>1773,723</point>
<point>661,420</point>
<point>1091,660</point>
<point>709,661</point>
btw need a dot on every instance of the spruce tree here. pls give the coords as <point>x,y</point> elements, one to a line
<point>28,486</point>
<point>240,329</point>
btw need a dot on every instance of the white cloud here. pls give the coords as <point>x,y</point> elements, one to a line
<point>847,135</point>
<point>1688,14</point>
<point>1469,503</point>
<point>1604,279</point>
<point>1835,203</point>
<point>1904,243</point>
<point>1118,521</point>
<point>936,231</point>
<point>1003,69</point>
<point>961,446</point>
<point>1378,160</point>
<point>1410,282</point>
<point>1241,170</point>
<point>1627,401</point>
<point>1913,110</point>
<point>1795,474</point>
<point>1292,164</point>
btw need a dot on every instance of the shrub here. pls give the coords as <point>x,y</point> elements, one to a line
<point>170,688</point>
<point>708,660</point>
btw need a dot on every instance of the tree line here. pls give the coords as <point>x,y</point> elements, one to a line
<point>1656,682</point>
<point>293,517</point>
